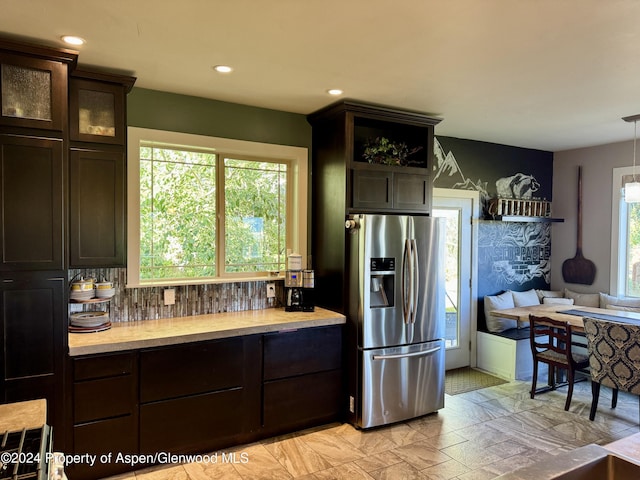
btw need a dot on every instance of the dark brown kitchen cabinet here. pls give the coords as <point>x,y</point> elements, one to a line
<point>372,189</point>
<point>33,333</point>
<point>105,411</point>
<point>365,159</point>
<point>378,190</point>
<point>97,107</point>
<point>368,158</point>
<point>203,396</point>
<point>303,383</point>
<point>31,182</point>
<point>97,173</point>
<point>33,86</point>
<point>33,163</point>
<point>97,230</point>
<point>411,192</point>
<point>200,396</point>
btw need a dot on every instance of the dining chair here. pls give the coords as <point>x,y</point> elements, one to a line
<point>614,358</point>
<point>553,342</point>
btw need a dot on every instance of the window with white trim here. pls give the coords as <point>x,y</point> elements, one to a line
<point>625,238</point>
<point>205,209</point>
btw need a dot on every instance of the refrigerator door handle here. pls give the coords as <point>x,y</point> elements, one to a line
<point>406,271</point>
<point>407,355</point>
<point>415,277</point>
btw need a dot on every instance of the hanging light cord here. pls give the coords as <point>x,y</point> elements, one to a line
<point>635,136</point>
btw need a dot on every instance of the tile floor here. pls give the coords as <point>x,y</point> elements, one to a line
<point>478,435</point>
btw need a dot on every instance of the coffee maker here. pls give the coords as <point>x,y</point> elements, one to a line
<point>298,286</point>
<point>293,291</point>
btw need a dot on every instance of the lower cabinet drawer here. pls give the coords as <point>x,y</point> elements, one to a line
<point>308,350</point>
<point>103,365</point>
<point>105,398</point>
<point>192,368</point>
<point>298,402</point>
<point>105,437</point>
<point>195,423</point>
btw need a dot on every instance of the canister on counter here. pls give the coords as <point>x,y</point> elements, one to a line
<point>308,279</point>
<point>294,262</point>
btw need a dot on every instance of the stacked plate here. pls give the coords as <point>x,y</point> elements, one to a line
<point>89,322</point>
<point>81,295</point>
<point>105,289</point>
<point>105,292</point>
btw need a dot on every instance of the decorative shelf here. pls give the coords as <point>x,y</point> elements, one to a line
<point>524,219</point>
<point>92,300</point>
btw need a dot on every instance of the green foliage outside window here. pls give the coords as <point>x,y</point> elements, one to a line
<point>179,237</point>
<point>255,215</point>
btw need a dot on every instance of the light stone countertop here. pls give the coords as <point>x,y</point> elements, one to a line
<point>628,446</point>
<point>19,415</point>
<point>581,462</point>
<point>173,331</point>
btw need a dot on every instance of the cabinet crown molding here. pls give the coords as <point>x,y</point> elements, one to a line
<point>380,112</point>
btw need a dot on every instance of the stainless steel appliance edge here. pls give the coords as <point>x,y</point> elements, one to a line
<point>396,317</point>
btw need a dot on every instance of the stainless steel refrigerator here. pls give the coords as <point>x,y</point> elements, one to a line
<point>396,317</point>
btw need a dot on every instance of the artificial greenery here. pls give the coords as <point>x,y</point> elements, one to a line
<point>381,150</point>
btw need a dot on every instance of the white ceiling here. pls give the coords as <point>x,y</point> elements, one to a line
<point>545,74</point>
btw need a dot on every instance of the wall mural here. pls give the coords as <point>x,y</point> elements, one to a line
<point>514,256</point>
<point>448,173</point>
<point>511,255</point>
<point>501,171</point>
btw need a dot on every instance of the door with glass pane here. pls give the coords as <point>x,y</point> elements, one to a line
<point>33,92</point>
<point>458,207</point>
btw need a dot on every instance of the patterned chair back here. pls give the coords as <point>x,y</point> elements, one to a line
<point>614,354</point>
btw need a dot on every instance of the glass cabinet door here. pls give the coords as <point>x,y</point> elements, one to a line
<point>33,92</point>
<point>26,93</point>
<point>96,112</point>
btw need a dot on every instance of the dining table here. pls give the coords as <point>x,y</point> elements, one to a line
<point>573,314</point>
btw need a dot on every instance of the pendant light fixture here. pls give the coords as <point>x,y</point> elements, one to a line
<point>632,189</point>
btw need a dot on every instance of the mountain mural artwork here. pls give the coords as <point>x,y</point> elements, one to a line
<point>511,255</point>
<point>449,174</point>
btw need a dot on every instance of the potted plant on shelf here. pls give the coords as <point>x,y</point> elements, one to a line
<point>382,151</point>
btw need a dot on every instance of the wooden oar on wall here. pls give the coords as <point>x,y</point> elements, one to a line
<point>579,269</point>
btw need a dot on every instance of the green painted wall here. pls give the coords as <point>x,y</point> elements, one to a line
<point>182,113</point>
<point>201,116</point>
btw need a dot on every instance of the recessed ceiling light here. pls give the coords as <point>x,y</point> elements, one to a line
<point>73,40</point>
<point>334,91</point>
<point>223,69</point>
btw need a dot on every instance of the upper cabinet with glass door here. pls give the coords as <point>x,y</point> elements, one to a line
<point>97,107</point>
<point>33,86</point>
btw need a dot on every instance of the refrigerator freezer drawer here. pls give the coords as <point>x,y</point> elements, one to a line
<point>400,383</point>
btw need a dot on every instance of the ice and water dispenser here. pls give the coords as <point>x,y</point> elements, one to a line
<point>382,282</point>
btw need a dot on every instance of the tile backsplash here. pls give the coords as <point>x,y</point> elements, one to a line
<point>147,303</point>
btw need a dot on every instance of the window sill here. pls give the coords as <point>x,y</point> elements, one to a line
<point>208,281</point>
